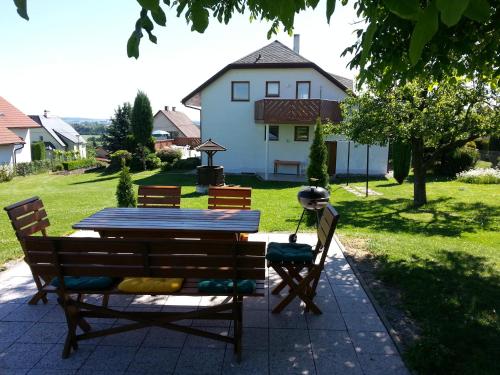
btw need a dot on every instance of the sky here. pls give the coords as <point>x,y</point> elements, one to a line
<point>70,58</point>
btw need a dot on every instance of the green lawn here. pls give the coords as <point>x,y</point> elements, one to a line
<point>444,257</point>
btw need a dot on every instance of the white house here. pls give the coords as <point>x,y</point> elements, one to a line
<point>176,123</point>
<point>15,134</point>
<point>58,134</point>
<point>263,108</point>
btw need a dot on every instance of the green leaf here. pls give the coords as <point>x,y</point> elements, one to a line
<point>478,10</point>
<point>366,44</point>
<point>451,10</point>
<point>133,44</point>
<point>199,17</point>
<point>159,16</point>
<point>330,8</point>
<point>407,9</point>
<point>22,9</point>
<point>425,28</point>
<point>149,4</point>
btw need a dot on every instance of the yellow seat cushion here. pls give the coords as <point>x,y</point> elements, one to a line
<point>150,285</point>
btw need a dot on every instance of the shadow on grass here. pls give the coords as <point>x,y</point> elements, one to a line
<point>95,180</point>
<point>399,215</point>
<point>455,299</point>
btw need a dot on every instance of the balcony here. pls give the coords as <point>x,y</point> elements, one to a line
<point>296,111</point>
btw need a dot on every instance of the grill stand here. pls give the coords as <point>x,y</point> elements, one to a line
<point>292,238</point>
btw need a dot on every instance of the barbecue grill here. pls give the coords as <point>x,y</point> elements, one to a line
<point>311,198</point>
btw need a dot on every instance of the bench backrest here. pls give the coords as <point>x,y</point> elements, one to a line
<point>28,217</point>
<point>218,259</point>
<point>229,197</point>
<point>159,196</point>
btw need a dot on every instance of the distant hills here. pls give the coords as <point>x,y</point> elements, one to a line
<point>85,120</point>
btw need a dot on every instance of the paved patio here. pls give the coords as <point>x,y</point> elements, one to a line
<point>348,338</point>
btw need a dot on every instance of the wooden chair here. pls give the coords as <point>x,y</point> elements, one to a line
<point>303,284</point>
<point>230,197</point>
<point>29,217</point>
<point>159,196</point>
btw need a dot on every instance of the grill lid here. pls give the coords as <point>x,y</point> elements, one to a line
<point>313,197</point>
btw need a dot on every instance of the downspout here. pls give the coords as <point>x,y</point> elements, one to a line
<point>266,173</point>
<point>201,136</point>
<point>15,151</point>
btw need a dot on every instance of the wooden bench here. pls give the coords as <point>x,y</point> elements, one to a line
<point>159,196</point>
<point>118,258</point>
<point>278,163</point>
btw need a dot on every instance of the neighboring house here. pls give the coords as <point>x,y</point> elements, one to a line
<point>15,137</point>
<point>58,134</point>
<point>176,123</point>
<point>264,107</point>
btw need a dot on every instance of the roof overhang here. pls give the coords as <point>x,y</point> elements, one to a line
<point>193,99</point>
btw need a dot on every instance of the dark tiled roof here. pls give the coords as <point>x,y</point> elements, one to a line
<point>183,123</point>
<point>58,129</point>
<point>274,53</point>
<point>349,83</point>
<point>275,56</point>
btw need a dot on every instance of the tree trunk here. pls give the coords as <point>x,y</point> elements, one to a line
<point>419,172</point>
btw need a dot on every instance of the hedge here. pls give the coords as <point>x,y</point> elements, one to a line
<point>78,164</point>
<point>38,151</point>
<point>34,167</point>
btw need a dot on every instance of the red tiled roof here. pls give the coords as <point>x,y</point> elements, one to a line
<point>11,117</point>
<point>183,123</point>
<point>8,137</point>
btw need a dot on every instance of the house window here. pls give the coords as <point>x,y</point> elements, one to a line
<point>240,91</point>
<point>272,89</point>
<point>274,133</point>
<point>40,138</point>
<point>301,133</point>
<point>303,90</point>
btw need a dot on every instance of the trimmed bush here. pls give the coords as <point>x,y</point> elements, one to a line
<point>125,195</point>
<point>117,157</point>
<point>189,163</point>
<point>318,157</point>
<point>78,164</point>
<point>168,155</point>
<point>6,173</point>
<point>480,176</point>
<point>401,158</point>
<point>152,162</point>
<point>165,167</point>
<point>458,161</point>
<point>34,167</point>
<point>38,151</point>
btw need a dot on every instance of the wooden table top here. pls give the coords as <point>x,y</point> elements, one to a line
<point>172,219</point>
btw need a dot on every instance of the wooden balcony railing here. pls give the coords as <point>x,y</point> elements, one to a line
<point>296,111</point>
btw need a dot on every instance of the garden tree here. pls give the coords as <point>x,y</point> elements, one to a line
<point>402,39</point>
<point>116,134</point>
<point>434,118</point>
<point>125,195</point>
<point>401,158</point>
<point>142,125</point>
<point>318,155</point>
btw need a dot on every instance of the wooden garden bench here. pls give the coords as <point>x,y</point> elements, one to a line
<point>159,196</point>
<point>191,260</point>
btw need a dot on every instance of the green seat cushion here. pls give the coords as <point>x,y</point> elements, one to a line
<point>85,282</point>
<point>226,286</point>
<point>289,252</point>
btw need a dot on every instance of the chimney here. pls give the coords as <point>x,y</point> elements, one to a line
<point>167,108</point>
<point>296,43</point>
<point>45,113</point>
<point>173,109</point>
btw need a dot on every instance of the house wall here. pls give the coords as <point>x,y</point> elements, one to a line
<point>378,157</point>
<point>36,133</point>
<point>23,155</point>
<point>161,122</point>
<point>232,124</point>
<point>6,154</point>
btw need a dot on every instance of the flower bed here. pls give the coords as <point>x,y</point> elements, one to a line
<point>480,176</point>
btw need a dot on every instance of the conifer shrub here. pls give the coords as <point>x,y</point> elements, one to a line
<point>125,195</point>
<point>401,158</point>
<point>318,159</point>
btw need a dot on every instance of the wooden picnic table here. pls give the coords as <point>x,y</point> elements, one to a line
<point>171,223</point>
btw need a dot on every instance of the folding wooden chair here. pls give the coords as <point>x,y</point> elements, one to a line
<point>159,196</point>
<point>230,197</point>
<point>28,217</point>
<point>300,266</point>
